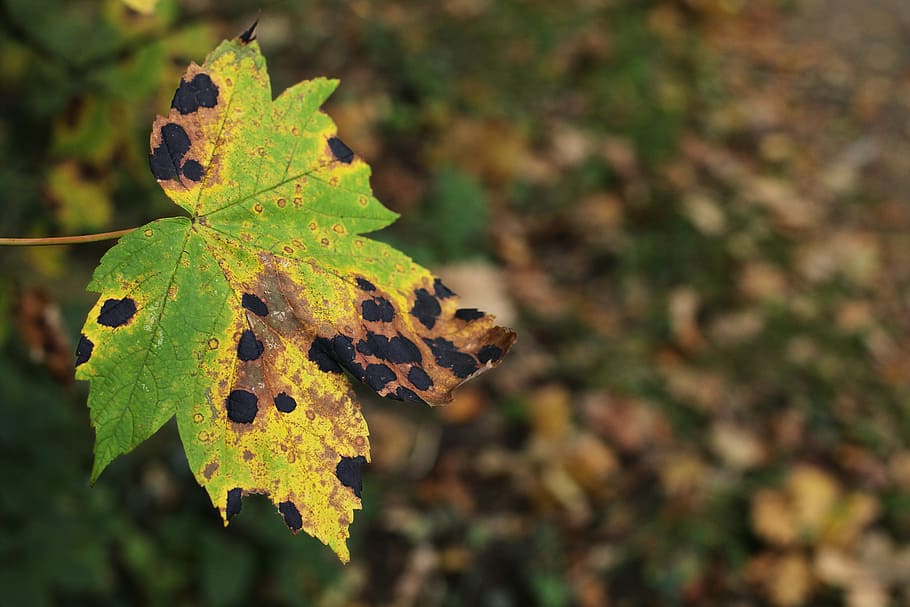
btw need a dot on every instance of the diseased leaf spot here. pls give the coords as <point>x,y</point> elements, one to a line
<point>468,314</point>
<point>348,472</point>
<point>397,350</point>
<point>403,393</point>
<point>364,346</point>
<point>321,354</point>
<point>343,347</point>
<point>426,309</point>
<point>198,92</point>
<point>116,312</point>
<point>446,355</point>
<point>285,403</point>
<point>192,170</point>
<point>377,376</point>
<point>377,309</point>
<point>488,353</point>
<point>331,355</point>
<point>242,406</point>
<point>340,150</point>
<point>442,291</point>
<point>249,348</point>
<point>84,350</point>
<point>255,305</point>
<point>162,165</point>
<point>234,504</point>
<point>365,284</point>
<point>403,350</point>
<point>291,516</point>
<point>164,161</point>
<point>419,378</point>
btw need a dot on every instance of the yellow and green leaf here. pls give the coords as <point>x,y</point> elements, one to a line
<point>243,318</point>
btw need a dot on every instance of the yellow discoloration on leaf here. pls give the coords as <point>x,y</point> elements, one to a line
<point>248,313</point>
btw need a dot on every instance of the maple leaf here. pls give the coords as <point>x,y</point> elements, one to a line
<point>242,318</point>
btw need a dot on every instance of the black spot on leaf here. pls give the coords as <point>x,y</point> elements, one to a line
<point>446,355</point>
<point>291,516</point>
<point>162,165</point>
<point>377,376</point>
<point>488,353</point>
<point>419,378</point>
<point>198,92</point>
<point>468,314</point>
<point>192,170</point>
<point>426,309</point>
<point>164,161</point>
<point>249,348</point>
<point>116,312</point>
<point>322,353</point>
<point>403,393</point>
<point>285,403</point>
<point>397,350</point>
<point>365,284</point>
<point>442,291</point>
<point>377,309</point>
<point>348,472</point>
<point>233,502</point>
<point>354,369</point>
<point>340,150</point>
<point>364,347</point>
<point>174,137</point>
<point>84,350</point>
<point>343,347</point>
<point>333,355</point>
<point>255,305</point>
<point>402,350</point>
<point>242,406</point>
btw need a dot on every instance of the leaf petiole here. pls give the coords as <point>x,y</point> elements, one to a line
<point>59,240</point>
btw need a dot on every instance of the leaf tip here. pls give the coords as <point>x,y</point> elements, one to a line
<point>342,552</point>
<point>249,34</point>
<point>97,468</point>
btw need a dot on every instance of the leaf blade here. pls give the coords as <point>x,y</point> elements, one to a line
<point>273,295</point>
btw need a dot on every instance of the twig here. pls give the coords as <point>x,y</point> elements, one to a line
<point>58,240</point>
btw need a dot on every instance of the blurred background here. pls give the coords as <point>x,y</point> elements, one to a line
<point>694,212</point>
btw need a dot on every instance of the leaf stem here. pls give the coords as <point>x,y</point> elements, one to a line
<point>58,240</point>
